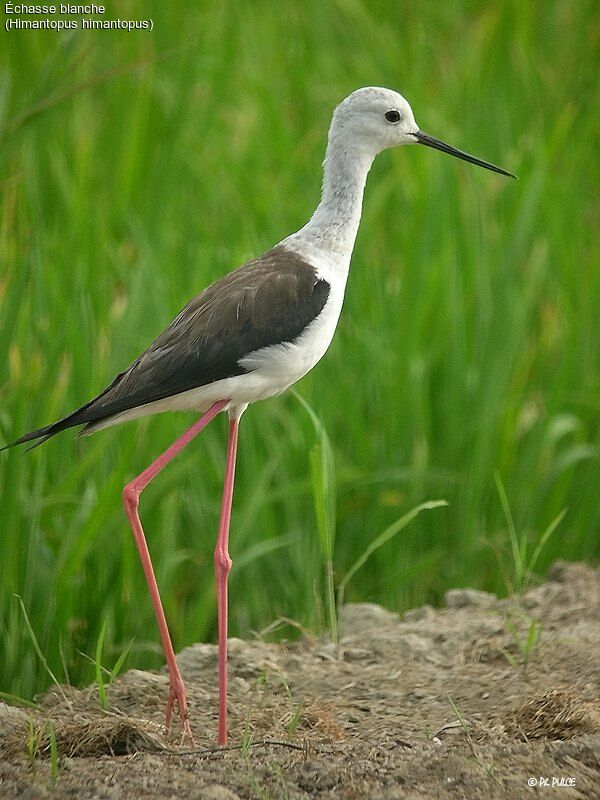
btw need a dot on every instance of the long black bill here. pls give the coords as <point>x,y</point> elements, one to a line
<point>430,141</point>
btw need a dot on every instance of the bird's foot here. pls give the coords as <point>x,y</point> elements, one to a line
<point>177,695</point>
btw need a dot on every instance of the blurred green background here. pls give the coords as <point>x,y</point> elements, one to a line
<point>137,167</point>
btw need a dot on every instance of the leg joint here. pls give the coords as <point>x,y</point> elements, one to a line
<point>223,561</point>
<point>131,497</point>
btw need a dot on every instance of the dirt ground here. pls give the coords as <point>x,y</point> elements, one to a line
<point>480,699</point>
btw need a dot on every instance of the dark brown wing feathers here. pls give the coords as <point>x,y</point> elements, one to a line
<point>269,300</point>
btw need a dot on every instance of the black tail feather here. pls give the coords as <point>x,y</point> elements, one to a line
<point>48,431</point>
<point>88,414</point>
<point>93,411</point>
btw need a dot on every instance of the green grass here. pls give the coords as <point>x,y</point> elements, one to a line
<point>137,167</point>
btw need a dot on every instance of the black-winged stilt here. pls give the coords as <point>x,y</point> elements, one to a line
<point>251,335</point>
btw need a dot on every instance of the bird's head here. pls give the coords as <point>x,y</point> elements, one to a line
<point>374,119</point>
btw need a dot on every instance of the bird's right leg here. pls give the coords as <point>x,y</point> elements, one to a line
<point>131,496</point>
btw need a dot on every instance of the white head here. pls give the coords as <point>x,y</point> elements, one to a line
<point>373,119</point>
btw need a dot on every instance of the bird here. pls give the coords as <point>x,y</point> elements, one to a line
<point>251,335</point>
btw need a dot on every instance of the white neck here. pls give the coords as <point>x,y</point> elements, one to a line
<point>333,227</point>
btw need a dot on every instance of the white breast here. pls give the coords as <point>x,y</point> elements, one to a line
<point>281,365</point>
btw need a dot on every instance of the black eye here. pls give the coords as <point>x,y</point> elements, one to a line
<point>392,116</point>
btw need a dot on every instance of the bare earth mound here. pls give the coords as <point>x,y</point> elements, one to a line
<point>482,699</point>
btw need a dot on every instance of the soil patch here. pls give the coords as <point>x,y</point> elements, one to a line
<point>477,700</point>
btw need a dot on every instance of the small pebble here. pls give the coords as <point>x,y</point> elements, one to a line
<point>359,618</point>
<point>215,791</point>
<point>356,654</point>
<point>462,598</point>
<point>420,614</point>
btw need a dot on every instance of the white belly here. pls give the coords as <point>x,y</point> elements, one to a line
<point>281,365</point>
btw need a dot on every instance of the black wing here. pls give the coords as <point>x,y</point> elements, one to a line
<point>267,301</point>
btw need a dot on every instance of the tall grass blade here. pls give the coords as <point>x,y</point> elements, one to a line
<point>102,696</point>
<point>53,754</point>
<point>322,469</point>
<point>542,543</point>
<point>517,548</point>
<point>38,649</point>
<point>385,536</point>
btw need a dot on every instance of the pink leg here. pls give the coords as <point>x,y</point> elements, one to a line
<point>131,496</point>
<point>222,568</point>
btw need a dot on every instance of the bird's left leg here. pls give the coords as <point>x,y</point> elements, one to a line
<point>131,496</point>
